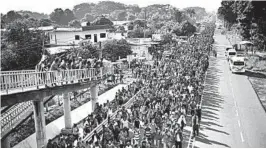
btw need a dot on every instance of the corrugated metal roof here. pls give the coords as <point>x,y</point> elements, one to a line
<point>95,27</point>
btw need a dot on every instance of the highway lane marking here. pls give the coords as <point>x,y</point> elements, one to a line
<point>193,143</point>
<point>189,141</point>
<point>236,113</point>
<point>242,138</point>
<point>239,123</point>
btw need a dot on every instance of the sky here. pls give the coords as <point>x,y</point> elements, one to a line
<point>47,6</point>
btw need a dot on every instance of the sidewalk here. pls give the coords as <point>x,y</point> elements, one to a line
<point>54,128</point>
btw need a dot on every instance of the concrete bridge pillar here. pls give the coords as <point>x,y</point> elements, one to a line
<point>67,111</point>
<point>94,96</point>
<point>39,120</point>
<point>5,142</point>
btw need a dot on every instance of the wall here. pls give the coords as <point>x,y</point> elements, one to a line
<point>116,36</point>
<point>68,37</point>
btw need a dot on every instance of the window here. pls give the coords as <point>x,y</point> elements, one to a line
<point>88,36</point>
<point>239,63</point>
<point>102,35</point>
<point>232,53</point>
<point>76,37</point>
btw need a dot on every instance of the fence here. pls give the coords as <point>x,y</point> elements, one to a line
<point>26,79</point>
<point>105,122</point>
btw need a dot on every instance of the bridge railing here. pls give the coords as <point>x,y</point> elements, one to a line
<point>11,81</point>
<point>17,72</point>
<point>13,115</point>
<point>99,128</point>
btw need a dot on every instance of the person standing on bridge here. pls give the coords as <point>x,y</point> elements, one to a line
<point>54,68</point>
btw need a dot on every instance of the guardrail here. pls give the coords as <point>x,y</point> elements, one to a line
<point>13,115</point>
<point>105,122</point>
<point>11,81</point>
<point>17,72</point>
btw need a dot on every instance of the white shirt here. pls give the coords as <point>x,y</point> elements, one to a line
<point>190,88</point>
<point>81,134</point>
<point>182,117</point>
<point>125,123</point>
<point>178,139</point>
<point>75,143</point>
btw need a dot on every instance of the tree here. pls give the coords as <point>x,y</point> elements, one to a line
<point>86,50</point>
<point>191,12</point>
<point>137,32</point>
<point>187,29</point>
<point>177,15</point>
<point>122,16</point>
<point>62,17</point>
<point>57,16</point>
<point>74,23</point>
<point>119,15</point>
<point>88,18</point>
<point>9,17</point>
<point>45,22</point>
<point>227,13</point>
<point>177,30</point>
<point>131,17</point>
<point>198,13</point>
<point>32,22</point>
<point>107,7</point>
<point>21,47</point>
<point>113,49</point>
<point>135,8</point>
<point>102,21</point>
<point>167,38</point>
<point>68,16</point>
<point>82,9</point>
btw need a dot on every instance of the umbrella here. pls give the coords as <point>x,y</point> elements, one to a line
<point>245,42</point>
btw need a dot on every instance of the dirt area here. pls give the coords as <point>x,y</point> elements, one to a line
<point>256,63</point>
<point>259,84</point>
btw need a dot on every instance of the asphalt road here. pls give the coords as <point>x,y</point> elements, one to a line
<point>232,115</point>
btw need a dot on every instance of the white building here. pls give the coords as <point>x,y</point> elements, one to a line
<point>116,36</point>
<point>69,36</point>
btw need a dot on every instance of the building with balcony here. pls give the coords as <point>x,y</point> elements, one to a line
<point>72,36</point>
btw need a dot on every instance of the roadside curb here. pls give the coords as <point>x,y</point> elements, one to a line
<point>256,72</point>
<point>257,95</point>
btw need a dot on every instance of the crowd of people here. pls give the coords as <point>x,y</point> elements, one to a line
<point>65,62</point>
<point>169,95</point>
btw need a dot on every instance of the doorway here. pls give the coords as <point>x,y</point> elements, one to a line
<point>95,38</point>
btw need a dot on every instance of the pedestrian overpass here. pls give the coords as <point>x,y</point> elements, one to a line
<point>25,92</point>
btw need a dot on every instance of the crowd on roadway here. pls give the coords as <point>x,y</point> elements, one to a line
<point>168,94</point>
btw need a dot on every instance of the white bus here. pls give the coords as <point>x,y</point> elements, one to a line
<point>230,53</point>
<point>237,64</point>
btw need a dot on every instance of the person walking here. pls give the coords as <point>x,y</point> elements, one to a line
<point>195,125</point>
<point>182,121</point>
<point>178,138</point>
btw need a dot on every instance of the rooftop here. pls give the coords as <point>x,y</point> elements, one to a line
<point>95,27</point>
